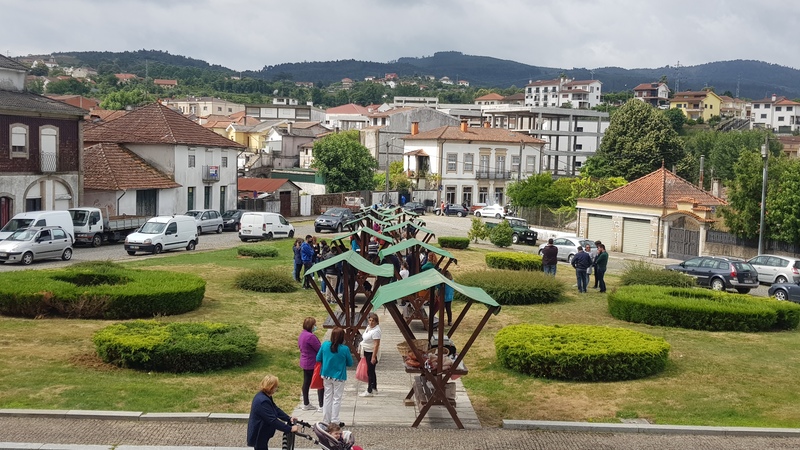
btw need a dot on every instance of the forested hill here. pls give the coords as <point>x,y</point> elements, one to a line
<point>755,79</point>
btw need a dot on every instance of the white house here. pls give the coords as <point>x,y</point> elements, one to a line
<point>776,113</point>
<point>656,94</point>
<point>580,94</point>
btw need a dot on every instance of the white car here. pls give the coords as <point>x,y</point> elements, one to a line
<point>35,243</point>
<point>496,211</point>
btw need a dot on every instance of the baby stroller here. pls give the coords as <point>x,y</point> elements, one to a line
<point>325,440</point>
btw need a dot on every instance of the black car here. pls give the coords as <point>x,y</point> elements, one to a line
<point>417,207</point>
<point>452,210</point>
<point>785,291</point>
<point>231,219</point>
<point>719,273</point>
<point>334,219</point>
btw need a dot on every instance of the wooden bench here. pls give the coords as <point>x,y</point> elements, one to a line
<point>423,392</point>
<point>340,317</point>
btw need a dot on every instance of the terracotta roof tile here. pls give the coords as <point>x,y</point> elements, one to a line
<point>475,134</point>
<point>490,96</point>
<point>661,188</point>
<point>112,167</point>
<point>350,108</point>
<point>261,184</point>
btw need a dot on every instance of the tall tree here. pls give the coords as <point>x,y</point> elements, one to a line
<point>743,211</point>
<point>345,164</point>
<point>783,200</point>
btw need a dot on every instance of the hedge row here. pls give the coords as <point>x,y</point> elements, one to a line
<point>701,309</point>
<point>510,287</point>
<point>101,290</point>
<point>257,251</point>
<point>459,243</point>
<point>514,261</point>
<point>175,347</point>
<point>641,272</point>
<point>273,279</point>
<point>580,352</point>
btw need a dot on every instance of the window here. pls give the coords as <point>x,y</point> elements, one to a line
<point>207,197</point>
<point>224,161</point>
<point>483,195</point>
<point>219,108</point>
<point>466,195</point>
<point>484,163</point>
<point>763,116</point>
<point>191,160</point>
<point>757,106</point>
<point>190,197</point>
<point>788,108</point>
<point>766,106</point>
<point>578,129</point>
<point>48,148</point>
<point>530,164</point>
<point>515,160</point>
<point>205,108</point>
<point>578,146</point>
<point>498,195</point>
<point>172,228</point>
<point>222,192</point>
<point>468,157</point>
<point>19,141</point>
<point>780,119</point>
<point>230,109</point>
<point>450,194</point>
<point>59,234</point>
<point>500,163</point>
<point>452,158</point>
<point>777,108</point>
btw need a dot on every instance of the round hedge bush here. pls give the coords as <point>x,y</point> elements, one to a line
<point>99,290</point>
<point>502,234</point>
<point>509,287</point>
<point>641,272</point>
<point>175,347</point>
<point>514,261</point>
<point>459,243</point>
<point>701,309</point>
<point>272,279</point>
<point>580,352</point>
<point>257,251</point>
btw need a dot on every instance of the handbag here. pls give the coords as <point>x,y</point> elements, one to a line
<point>316,378</point>
<point>361,371</point>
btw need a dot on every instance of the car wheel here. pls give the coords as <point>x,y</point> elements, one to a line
<point>269,236</point>
<point>461,214</point>
<point>438,213</point>
<point>243,239</point>
<point>291,234</point>
<point>191,246</point>
<point>237,227</point>
<point>540,252</point>
<point>67,254</point>
<point>569,258</point>
<point>515,238</point>
<point>27,258</point>
<point>157,249</point>
<point>717,284</point>
<point>131,252</point>
<point>97,240</point>
<point>316,230</point>
<point>339,228</point>
<point>743,290</point>
<point>219,229</point>
<point>781,279</point>
<point>199,231</point>
<point>477,214</point>
<point>497,216</point>
<point>780,294</point>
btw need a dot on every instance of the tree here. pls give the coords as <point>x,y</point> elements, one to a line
<point>742,214</point>
<point>783,200</point>
<point>676,117</point>
<point>118,100</point>
<point>39,70</point>
<point>502,234</point>
<point>533,191</point>
<point>587,187</point>
<point>638,140</point>
<point>345,164</point>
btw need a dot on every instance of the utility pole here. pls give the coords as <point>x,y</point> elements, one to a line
<point>761,227</point>
<point>519,167</point>
<point>388,143</point>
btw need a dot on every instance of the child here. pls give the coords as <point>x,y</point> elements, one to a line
<point>337,433</point>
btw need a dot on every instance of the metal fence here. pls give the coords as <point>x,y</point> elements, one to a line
<point>770,245</point>
<point>543,216</point>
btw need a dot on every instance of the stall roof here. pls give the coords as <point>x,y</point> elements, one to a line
<point>425,280</point>
<point>407,223</point>
<point>357,261</point>
<point>408,243</point>
<point>368,230</point>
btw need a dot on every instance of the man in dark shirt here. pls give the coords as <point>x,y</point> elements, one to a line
<point>581,262</point>
<point>549,258</point>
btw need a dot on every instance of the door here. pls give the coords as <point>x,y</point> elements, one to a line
<point>286,203</point>
<point>765,272</point>
<point>6,210</point>
<point>601,228</point>
<point>146,202</point>
<point>707,268</point>
<point>283,227</point>
<point>43,246</point>
<point>171,237</point>
<point>636,236</point>
<point>683,244</point>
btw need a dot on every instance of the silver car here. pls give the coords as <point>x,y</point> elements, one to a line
<point>31,244</point>
<point>208,220</point>
<point>776,269</point>
<point>568,246</point>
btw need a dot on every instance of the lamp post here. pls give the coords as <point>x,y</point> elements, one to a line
<point>388,144</point>
<point>761,229</point>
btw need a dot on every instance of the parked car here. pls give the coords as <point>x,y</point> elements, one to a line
<point>522,233</point>
<point>568,246</point>
<point>776,269</point>
<point>162,233</point>
<point>208,220</point>
<point>232,219</point>
<point>452,210</point>
<point>496,211</point>
<point>334,219</point>
<point>785,291</point>
<point>30,244</point>
<point>259,226</point>
<point>417,207</point>
<point>719,273</point>
<point>476,206</point>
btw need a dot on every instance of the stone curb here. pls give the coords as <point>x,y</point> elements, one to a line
<point>589,427</point>
<point>124,415</point>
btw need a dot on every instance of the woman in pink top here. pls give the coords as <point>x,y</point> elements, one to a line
<point>309,346</point>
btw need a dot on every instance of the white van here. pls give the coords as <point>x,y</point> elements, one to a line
<point>39,219</point>
<point>258,226</point>
<point>163,233</point>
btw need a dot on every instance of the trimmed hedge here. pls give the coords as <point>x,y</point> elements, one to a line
<point>641,272</point>
<point>580,352</point>
<point>257,251</point>
<point>459,243</point>
<point>502,234</point>
<point>514,261</point>
<point>175,347</point>
<point>99,290</point>
<point>701,309</point>
<point>272,279</point>
<point>510,287</point>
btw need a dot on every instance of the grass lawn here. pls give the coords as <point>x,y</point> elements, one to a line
<point>737,379</point>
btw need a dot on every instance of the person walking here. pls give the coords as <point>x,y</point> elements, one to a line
<point>581,262</point>
<point>298,261</point>
<point>265,416</point>
<point>309,346</point>
<point>449,293</point>
<point>600,266</point>
<point>335,358</point>
<point>592,255</point>
<point>594,259</point>
<point>370,348</point>
<point>549,258</point>
<point>307,256</point>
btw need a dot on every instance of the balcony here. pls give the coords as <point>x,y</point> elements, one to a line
<point>210,174</point>
<point>493,175</point>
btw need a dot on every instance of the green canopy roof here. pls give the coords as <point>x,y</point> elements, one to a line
<point>357,261</point>
<point>408,243</point>
<point>405,224</point>
<point>425,280</point>
<point>368,230</point>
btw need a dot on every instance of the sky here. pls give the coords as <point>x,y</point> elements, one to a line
<point>248,35</point>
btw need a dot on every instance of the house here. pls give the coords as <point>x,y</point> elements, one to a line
<point>656,94</point>
<point>560,92</point>
<point>734,108</point>
<point>776,113</point>
<point>347,83</point>
<point>463,83</point>
<point>703,104</point>
<point>249,132</point>
<point>125,77</point>
<point>791,145</point>
<point>286,143</point>
<point>200,162</point>
<point>40,148</point>
<point>473,164</point>
<point>282,189</point>
<point>400,101</point>
<point>285,109</point>
<point>78,101</point>
<point>445,80</point>
<point>658,215</point>
<point>203,106</point>
<point>491,98</point>
<point>166,84</point>
<point>80,72</point>
<point>347,117</point>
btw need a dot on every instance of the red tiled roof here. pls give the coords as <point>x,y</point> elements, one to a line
<point>661,188</point>
<point>787,102</point>
<point>261,184</point>
<point>350,108</point>
<point>112,167</point>
<point>490,96</point>
<point>646,86</point>
<point>160,82</point>
<point>475,134</point>
<point>156,124</point>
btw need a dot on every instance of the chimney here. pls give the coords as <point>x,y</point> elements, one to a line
<point>414,128</point>
<point>289,128</point>
<point>774,97</point>
<point>486,124</point>
<point>464,126</point>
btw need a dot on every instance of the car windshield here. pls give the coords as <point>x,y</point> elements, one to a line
<point>335,212</point>
<point>742,266</point>
<point>17,224</point>
<point>79,217</point>
<point>152,228</point>
<point>193,213</point>
<point>231,214</point>
<point>22,235</point>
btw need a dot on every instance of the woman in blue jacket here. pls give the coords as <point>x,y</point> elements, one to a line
<point>266,417</point>
<point>335,358</point>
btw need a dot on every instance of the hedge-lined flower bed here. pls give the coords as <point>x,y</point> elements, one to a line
<point>701,309</point>
<point>175,347</point>
<point>459,243</point>
<point>514,261</point>
<point>510,287</point>
<point>641,272</point>
<point>273,279</point>
<point>580,352</point>
<point>257,251</point>
<point>99,290</point>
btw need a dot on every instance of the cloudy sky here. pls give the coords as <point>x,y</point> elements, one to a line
<point>247,35</point>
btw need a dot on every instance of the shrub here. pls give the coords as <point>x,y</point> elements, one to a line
<point>514,261</point>
<point>502,234</point>
<point>175,347</point>
<point>509,287</point>
<point>641,272</point>
<point>257,251</point>
<point>701,309</point>
<point>478,230</point>
<point>580,352</point>
<point>99,290</point>
<point>272,279</point>
<point>453,242</point>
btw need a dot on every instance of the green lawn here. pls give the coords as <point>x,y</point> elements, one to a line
<point>737,379</point>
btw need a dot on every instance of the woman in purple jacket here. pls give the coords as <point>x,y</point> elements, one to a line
<point>309,346</point>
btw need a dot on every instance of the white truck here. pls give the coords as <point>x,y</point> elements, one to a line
<point>93,225</point>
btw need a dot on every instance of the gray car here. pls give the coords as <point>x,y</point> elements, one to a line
<point>568,246</point>
<point>208,220</point>
<point>776,269</point>
<point>334,219</point>
<point>719,273</point>
<point>31,244</point>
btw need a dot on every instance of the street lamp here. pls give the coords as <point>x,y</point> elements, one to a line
<point>761,229</point>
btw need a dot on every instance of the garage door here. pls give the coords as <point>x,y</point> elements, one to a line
<point>636,237</point>
<point>601,229</point>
